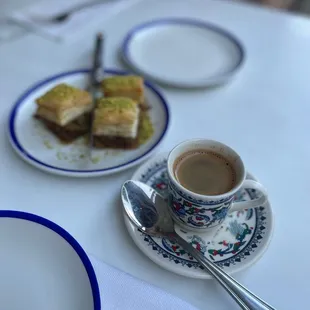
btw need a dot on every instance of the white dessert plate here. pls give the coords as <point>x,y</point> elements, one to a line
<point>237,244</point>
<point>183,52</point>
<point>42,149</point>
<point>43,267</point>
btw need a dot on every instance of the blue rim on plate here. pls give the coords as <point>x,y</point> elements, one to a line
<point>181,21</point>
<point>29,157</point>
<point>74,244</point>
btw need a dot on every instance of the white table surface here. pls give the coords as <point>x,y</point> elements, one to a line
<point>263,113</point>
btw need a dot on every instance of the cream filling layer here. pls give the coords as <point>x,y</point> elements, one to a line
<point>121,130</point>
<point>65,117</point>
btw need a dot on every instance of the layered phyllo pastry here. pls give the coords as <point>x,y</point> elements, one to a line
<point>130,86</point>
<point>65,111</point>
<point>116,123</point>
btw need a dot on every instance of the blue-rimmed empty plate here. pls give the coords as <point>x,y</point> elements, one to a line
<point>41,149</point>
<point>183,52</point>
<point>43,267</point>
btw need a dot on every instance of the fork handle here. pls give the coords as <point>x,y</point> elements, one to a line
<point>245,299</point>
<point>83,6</point>
<point>96,71</point>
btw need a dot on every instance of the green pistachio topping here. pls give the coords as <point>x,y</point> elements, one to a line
<point>127,81</point>
<point>59,92</point>
<point>146,129</point>
<point>117,103</point>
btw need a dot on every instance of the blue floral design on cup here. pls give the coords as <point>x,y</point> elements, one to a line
<point>198,212</point>
<point>195,215</point>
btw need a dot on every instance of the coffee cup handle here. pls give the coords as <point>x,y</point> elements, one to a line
<point>241,205</point>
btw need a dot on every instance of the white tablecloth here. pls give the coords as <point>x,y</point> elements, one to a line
<point>37,17</point>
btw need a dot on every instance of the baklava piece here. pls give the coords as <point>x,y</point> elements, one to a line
<point>65,111</point>
<point>130,86</point>
<point>116,122</point>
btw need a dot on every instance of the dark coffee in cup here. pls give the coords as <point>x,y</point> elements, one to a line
<point>205,172</point>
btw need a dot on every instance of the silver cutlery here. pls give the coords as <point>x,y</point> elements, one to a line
<point>96,76</point>
<point>148,211</point>
<point>64,16</point>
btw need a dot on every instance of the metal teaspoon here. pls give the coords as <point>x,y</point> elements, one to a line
<point>148,211</point>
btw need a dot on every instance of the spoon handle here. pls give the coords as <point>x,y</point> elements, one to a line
<point>82,6</point>
<point>245,299</point>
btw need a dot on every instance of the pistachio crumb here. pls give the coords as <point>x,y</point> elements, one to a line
<point>48,144</point>
<point>95,160</point>
<point>146,130</point>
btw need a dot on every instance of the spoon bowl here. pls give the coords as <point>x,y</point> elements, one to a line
<point>149,212</point>
<point>146,209</point>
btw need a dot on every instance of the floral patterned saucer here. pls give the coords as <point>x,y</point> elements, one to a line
<point>238,243</point>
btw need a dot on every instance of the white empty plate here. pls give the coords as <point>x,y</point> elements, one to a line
<point>183,52</point>
<point>43,267</point>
